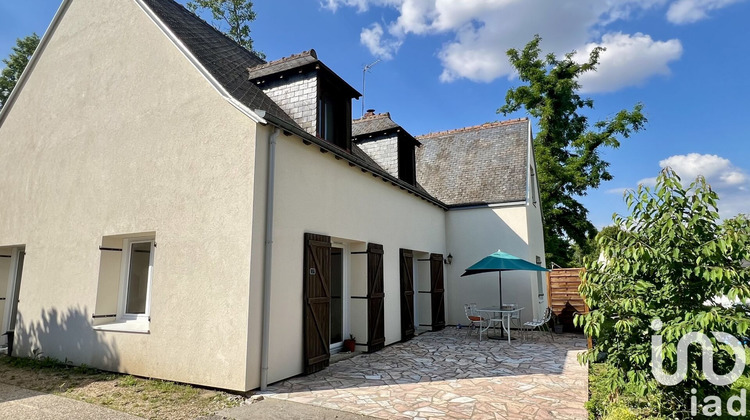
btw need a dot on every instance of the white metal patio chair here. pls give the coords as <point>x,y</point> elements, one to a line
<point>541,324</point>
<point>475,321</point>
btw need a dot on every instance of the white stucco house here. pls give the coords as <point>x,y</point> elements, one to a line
<point>175,207</point>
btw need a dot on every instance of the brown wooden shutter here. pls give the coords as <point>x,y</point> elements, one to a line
<point>317,301</point>
<point>375,298</point>
<point>437,292</point>
<point>407,294</point>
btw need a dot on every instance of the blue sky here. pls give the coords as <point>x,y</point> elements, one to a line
<point>443,66</point>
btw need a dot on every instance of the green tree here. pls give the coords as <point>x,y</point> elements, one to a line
<point>566,145</point>
<point>671,257</point>
<point>233,17</point>
<point>15,64</point>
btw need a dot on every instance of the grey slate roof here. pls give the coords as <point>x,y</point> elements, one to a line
<point>373,124</point>
<point>476,165</point>
<point>284,64</point>
<point>226,60</point>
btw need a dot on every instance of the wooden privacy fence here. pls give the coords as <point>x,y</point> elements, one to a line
<point>563,296</point>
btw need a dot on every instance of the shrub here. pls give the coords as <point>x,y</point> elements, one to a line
<point>671,258</point>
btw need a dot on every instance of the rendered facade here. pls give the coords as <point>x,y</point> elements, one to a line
<point>177,208</point>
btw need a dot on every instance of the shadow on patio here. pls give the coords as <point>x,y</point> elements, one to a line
<point>449,375</point>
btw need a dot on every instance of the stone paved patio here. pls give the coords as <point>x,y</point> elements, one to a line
<point>447,375</point>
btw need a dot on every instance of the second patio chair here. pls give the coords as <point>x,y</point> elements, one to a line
<point>474,319</point>
<point>542,324</point>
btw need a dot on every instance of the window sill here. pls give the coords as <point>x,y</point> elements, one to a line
<point>140,327</point>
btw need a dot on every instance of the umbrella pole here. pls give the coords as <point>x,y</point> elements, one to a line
<point>500,287</point>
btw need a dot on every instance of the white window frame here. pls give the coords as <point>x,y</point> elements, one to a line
<point>124,278</point>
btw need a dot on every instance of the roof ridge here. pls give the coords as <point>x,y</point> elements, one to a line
<point>473,128</point>
<point>311,53</point>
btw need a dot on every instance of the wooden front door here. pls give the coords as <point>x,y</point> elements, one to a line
<point>317,301</point>
<point>375,298</point>
<point>437,292</point>
<point>407,294</point>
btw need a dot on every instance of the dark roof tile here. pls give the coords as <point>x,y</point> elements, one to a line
<point>373,124</point>
<point>476,165</point>
<point>284,64</point>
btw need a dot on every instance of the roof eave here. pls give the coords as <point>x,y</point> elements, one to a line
<point>388,131</point>
<point>482,204</point>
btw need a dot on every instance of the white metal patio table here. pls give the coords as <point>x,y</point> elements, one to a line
<point>492,313</point>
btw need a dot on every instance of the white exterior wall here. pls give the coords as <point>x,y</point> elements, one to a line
<point>316,193</point>
<point>115,132</point>
<point>472,235</point>
<point>384,151</point>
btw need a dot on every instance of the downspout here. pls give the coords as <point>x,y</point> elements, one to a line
<point>266,329</point>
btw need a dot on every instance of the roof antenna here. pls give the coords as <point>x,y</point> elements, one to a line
<point>365,69</point>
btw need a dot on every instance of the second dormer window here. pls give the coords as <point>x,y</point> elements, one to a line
<point>326,116</point>
<point>334,115</point>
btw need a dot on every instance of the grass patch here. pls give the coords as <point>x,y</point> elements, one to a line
<point>149,398</point>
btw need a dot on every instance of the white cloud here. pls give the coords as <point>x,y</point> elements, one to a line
<point>629,60</point>
<point>372,38</point>
<point>689,11</point>
<point>717,170</point>
<point>729,181</point>
<point>484,30</point>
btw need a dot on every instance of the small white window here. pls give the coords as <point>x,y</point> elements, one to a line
<point>135,287</point>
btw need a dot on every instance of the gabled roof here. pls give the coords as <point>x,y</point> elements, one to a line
<point>283,64</point>
<point>297,63</point>
<point>373,125</point>
<point>484,164</point>
<point>226,60</point>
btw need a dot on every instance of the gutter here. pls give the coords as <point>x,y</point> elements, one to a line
<point>267,254</point>
<point>470,206</point>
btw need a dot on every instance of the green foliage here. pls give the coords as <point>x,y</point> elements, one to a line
<point>15,64</point>
<point>670,255</point>
<point>628,404</point>
<point>620,411</point>
<point>591,249</point>
<point>233,17</point>
<point>567,144</point>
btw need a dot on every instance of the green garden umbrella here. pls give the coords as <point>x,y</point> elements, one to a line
<point>501,261</point>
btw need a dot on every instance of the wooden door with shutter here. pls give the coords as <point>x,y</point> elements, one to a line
<point>407,294</point>
<point>317,301</point>
<point>375,298</point>
<point>437,292</point>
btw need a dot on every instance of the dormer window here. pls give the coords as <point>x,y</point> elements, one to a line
<point>407,169</point>
<point>315,97</point>
<point>388,144</point>
<point>334,115</point>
